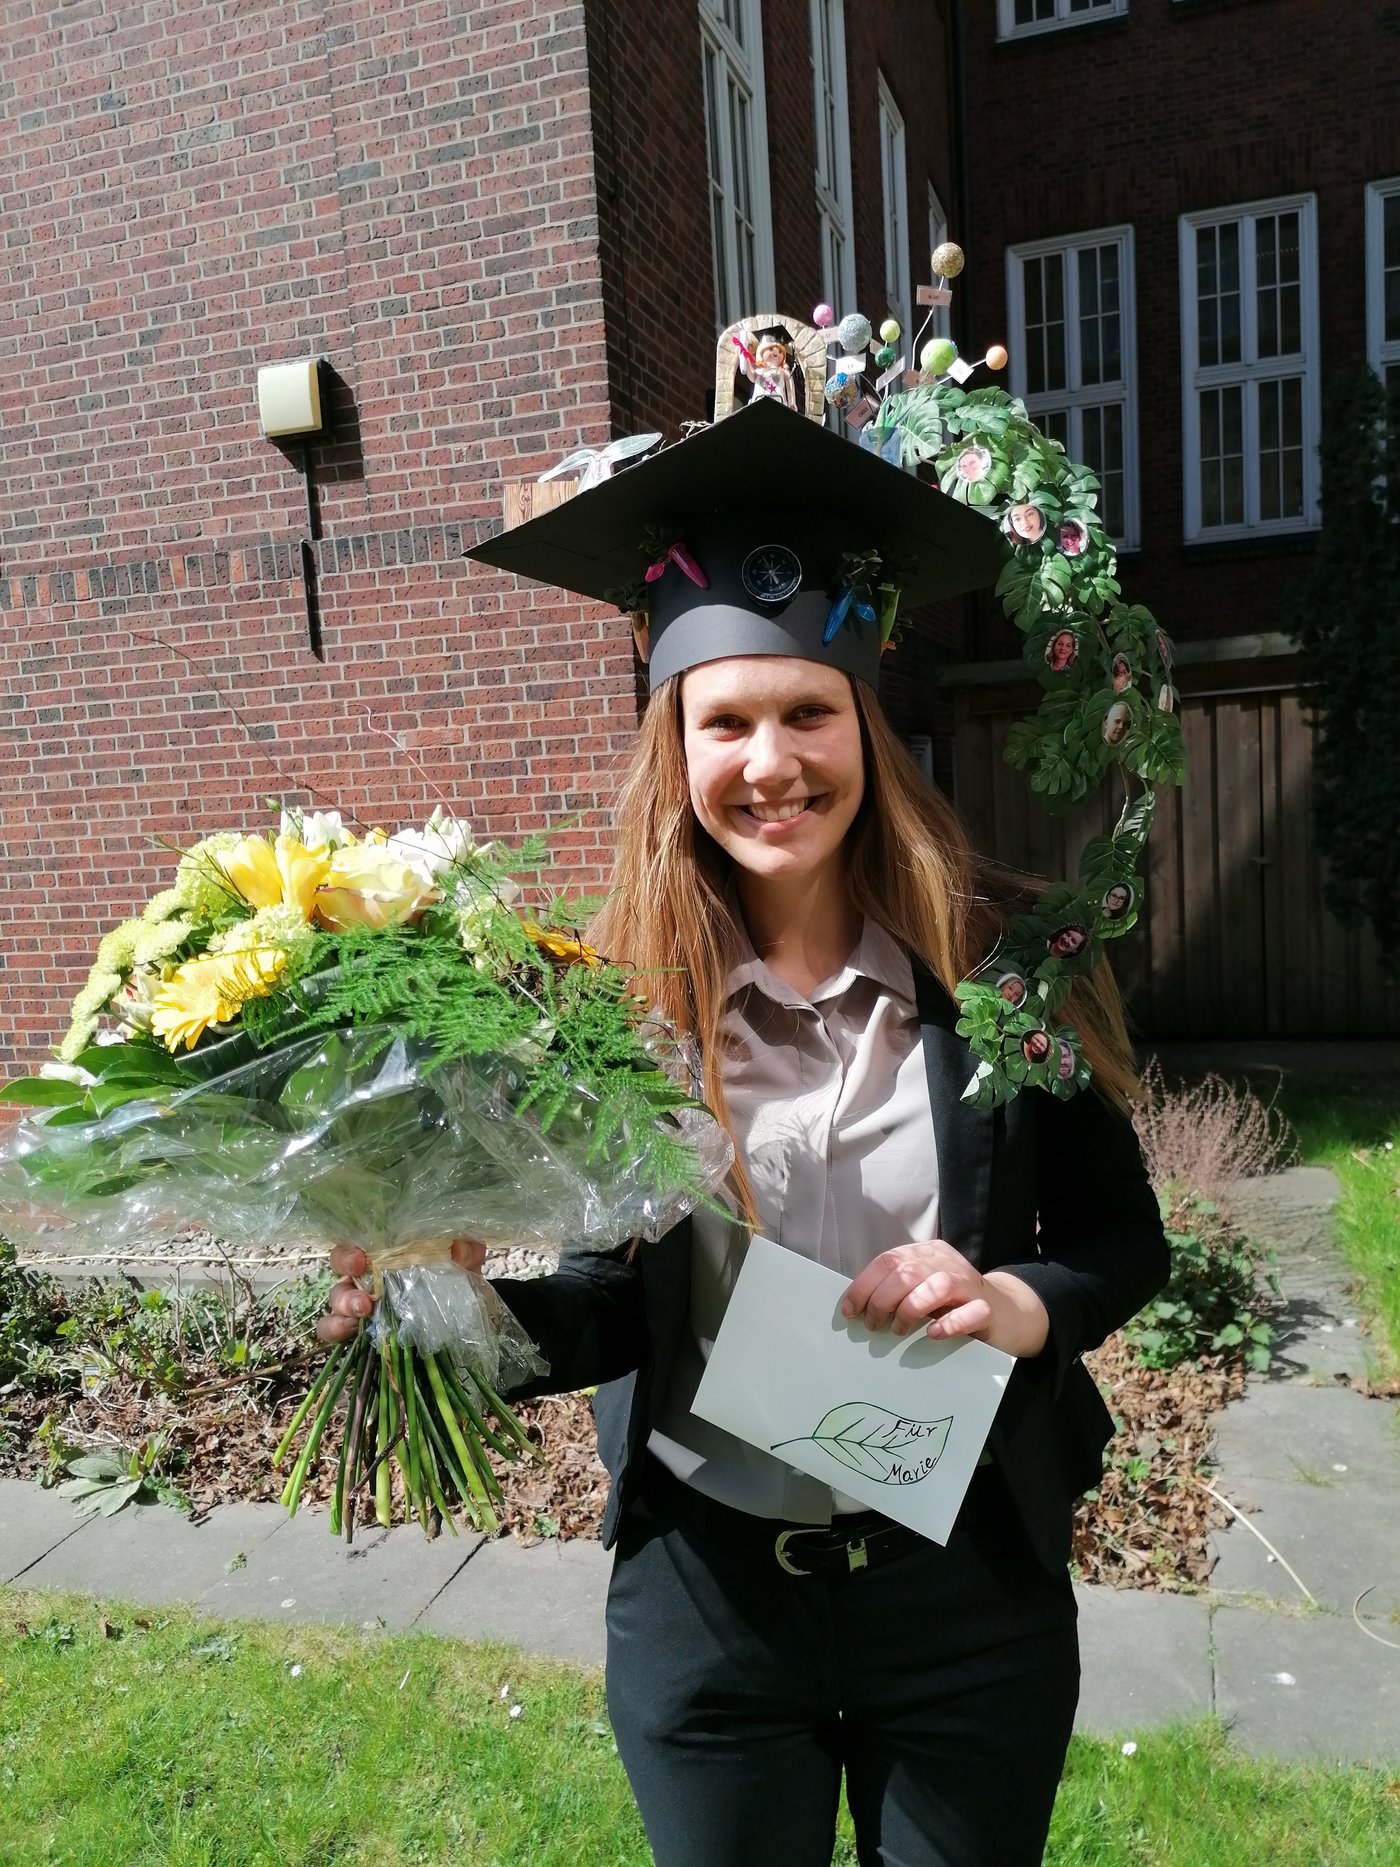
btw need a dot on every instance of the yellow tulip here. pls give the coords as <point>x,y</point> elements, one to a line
<point>562,946</point>
<point>251,869</point>
<point>367,887</point>
<point>302,871</point>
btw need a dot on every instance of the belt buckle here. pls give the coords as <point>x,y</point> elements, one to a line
<point>784,1538</point>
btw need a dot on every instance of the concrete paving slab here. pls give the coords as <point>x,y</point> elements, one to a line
<point>1318,1332</point>
<point>1309,1687</point>
<point>1340,1546</point>
<point>303,1573</point>
<point>150,1555</point>
<point>1145,1659</point>
<point>1291,1432</point>
<point>32,1522</point>
<point>546,1599</point>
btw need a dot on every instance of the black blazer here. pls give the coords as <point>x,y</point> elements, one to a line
<point>1054,1191</point>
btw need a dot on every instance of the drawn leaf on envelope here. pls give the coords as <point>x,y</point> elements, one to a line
<point>887,1448</point>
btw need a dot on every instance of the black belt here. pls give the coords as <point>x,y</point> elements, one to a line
<point>848,1545</point>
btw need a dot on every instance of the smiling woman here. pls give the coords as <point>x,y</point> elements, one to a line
<point>791,893</point>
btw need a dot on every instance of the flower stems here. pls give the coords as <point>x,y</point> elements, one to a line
<point>421,1414</point>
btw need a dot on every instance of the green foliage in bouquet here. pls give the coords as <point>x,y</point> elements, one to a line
<point>1109,703</point>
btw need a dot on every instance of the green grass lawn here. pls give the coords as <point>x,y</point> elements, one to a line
<point>133,1738</point>
<point>1346,1126</point>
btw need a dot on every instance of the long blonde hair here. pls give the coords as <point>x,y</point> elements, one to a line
<point>912,868</point>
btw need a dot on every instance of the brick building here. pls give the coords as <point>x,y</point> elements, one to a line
<point>511,229</point>
<point>1186,218</point>
<point>493,219</point>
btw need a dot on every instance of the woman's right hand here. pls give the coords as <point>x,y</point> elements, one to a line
<point>349,1305</point>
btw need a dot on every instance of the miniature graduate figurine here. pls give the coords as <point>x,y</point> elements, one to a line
<point>769,368</point>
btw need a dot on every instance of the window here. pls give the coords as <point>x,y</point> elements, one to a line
<point>895,192</point>
<point>1017,19</point>
<point>1074,358</point>
<point>838,265</point>
<point>1383,280</point>
<point>736,149</point>
<point>1249,368</point>
<point>940,322</point>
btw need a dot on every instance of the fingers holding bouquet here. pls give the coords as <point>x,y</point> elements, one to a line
<point>350,1304</point>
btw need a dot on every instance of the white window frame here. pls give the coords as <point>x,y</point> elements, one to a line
<point>1008,29</point>
<point>894,194</point>
<point>940,323</point>
<point>1076,396</point>
<point>833,173</point>
<point>1381,356</point>
<point>1251,370</point>
<point>739,62</point>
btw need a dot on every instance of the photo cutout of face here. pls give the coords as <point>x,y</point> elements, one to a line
<point>1035,1046</point>
<point>1026,523</point>
<point>1012,987</point>
<point>1074,538</point>
<point>1164,649</point>
<point>1166,699</point>
<point>1122,673</point>
<point>1118,901</point>
<point>1061,651</point>
<point>1066,942</point>
<point>1116,723</point>
<point>1064,1069</point>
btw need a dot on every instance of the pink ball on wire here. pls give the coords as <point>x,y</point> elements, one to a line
<point>823,317</point>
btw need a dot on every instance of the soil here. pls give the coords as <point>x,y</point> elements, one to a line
<point>1145,1527</point>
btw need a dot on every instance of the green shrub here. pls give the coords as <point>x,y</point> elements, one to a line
<point>1211,1304</point>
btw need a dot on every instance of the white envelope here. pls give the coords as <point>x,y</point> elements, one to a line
<point>896,1421</point>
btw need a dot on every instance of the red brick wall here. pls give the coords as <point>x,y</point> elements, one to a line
<point>194,191</point>
<point>1168,110</point>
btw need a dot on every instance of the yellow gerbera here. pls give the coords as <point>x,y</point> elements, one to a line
<point>212,991</point>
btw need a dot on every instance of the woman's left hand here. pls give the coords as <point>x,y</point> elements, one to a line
<point>930,1283</point>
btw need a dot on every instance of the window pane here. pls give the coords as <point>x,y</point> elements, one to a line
<point>1218,293</point>
<point>1055,423</point>
<point>718,209</point>
<point>1222,457</point>
<point>743,198</point>
<point>1029,12</point>
<point>1045,323</point>
<point>1277,287</point>
<point>1100,325</point>
<point>1101,448</point>
<point>1390,267</point>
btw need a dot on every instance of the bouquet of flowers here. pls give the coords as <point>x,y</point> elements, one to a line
<point>311,1039</point>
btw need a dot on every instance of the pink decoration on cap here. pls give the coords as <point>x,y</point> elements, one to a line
<point>823,317</point>
<point>677,554</point>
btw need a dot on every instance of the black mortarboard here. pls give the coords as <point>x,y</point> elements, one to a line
<point>780,517</point>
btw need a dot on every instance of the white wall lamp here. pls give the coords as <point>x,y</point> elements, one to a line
<point>289,412</point>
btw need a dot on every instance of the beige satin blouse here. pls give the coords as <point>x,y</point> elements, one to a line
<point>830,1105</point>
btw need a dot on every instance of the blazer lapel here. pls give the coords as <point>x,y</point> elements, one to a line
<point>963,1134</point>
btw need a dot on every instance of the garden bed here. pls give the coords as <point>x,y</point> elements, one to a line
<point>219,1377</point>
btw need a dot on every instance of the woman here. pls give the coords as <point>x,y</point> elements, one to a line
<point>790,892</point>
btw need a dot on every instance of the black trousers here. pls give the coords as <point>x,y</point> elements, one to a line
<point>942,1682</point>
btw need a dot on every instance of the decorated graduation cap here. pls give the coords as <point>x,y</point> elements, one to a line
<point>766,533</point>
<point>762,534</point>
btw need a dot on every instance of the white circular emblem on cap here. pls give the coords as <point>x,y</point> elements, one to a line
<point>771,574</point>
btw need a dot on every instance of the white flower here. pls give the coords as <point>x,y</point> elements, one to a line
<point>322,829</point>
<point>440,845</point>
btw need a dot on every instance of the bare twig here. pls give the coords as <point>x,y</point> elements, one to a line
<point>1220,1498</point>
<point>1380,1639</point>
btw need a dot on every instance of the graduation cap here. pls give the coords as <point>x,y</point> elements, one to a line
<point>763,534</point>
